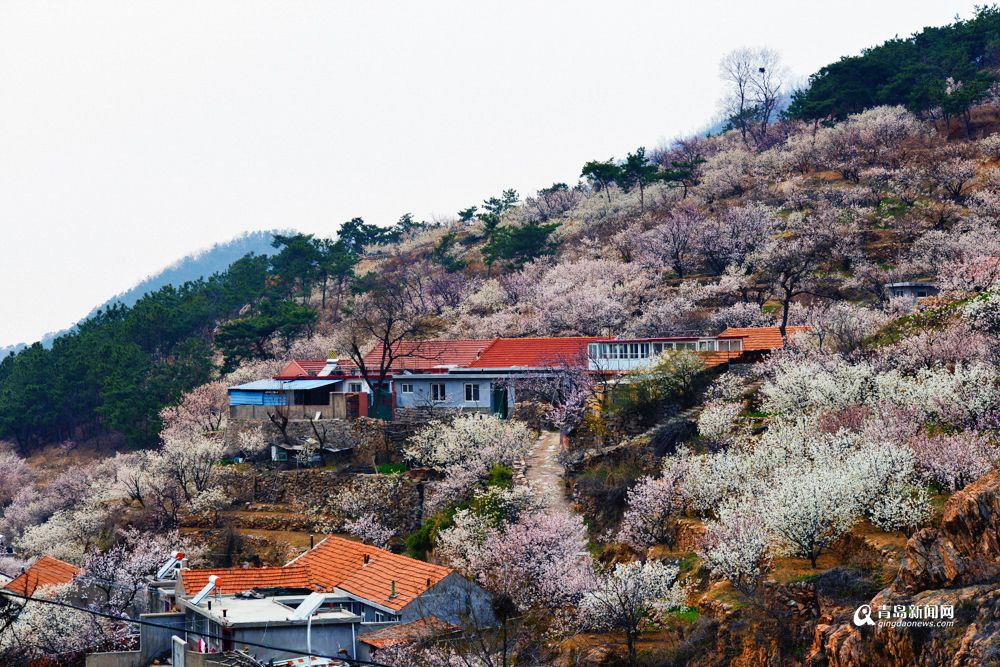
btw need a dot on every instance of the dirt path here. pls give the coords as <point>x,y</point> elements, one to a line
<point>544,473</point>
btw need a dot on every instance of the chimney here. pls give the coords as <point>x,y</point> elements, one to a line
<point>224,613</point>
<point>210,605</point>
<point>365,559</point>
<point>393,593</point>
<point>428,582</point>
<point>311,541</point>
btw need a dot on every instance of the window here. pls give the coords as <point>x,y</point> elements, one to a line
<point>437,391</point>
<point>354,387</point>
<point>689,346</point>
<point>921,293</point>
<point>704,345</point>
<point>406,387</point>
<point>471,393</point>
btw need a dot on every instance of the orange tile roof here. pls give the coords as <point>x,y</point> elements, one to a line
<point>762,338</point>
<point>718,357</point>
<point>301,368</point>
<point>534,352</point>
<point>237,580</point>
<point>46,571</point>
<point>426,354</point>
<point>334,562</point>
<point>340,562</point>
<point>424,627</point>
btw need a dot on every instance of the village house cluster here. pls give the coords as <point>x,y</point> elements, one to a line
<point>468,375</point>
<point>340,599</point>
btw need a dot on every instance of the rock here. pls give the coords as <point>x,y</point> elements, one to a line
<point>957,565</point>
<point>965,550</point>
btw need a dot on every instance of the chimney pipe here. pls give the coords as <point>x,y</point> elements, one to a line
<point>311,542</point>
<point>365,560</point>
<point>224,613</point>
<point>393,593</point>
<point>210,605</point>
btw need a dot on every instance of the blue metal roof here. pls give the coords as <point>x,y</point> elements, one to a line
<point>283,385</point>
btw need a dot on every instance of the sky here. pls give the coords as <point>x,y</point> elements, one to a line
<point>133,133</point>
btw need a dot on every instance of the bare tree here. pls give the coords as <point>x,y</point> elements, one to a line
<point>389,316</point>
<point>754,79</point>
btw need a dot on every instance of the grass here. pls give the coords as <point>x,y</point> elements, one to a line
<point>390,468</point>
<point>685,614</point>
<point>910,325</point>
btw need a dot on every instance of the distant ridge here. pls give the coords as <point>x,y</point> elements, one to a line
<point>199,264</point>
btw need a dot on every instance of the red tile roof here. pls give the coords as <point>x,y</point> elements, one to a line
<point>237,580</point>
<point>534,352</point>
<point>46,571</point>
<point>340,562</point>
<point>425,627</point>
<point>418,355</point>
<point>762,338</point>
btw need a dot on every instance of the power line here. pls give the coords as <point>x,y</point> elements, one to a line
<point>94,612</point>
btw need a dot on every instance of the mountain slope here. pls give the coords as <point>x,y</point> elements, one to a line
<point>199,264</point>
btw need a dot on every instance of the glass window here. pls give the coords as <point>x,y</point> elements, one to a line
<point>691,346</point>
<point>921,293</point>
<point>437,391</point>
<point>406,387</point>
<point>472,393</point>
<point>657,348</point>
<point>592,350</point>
<point>354,387</point>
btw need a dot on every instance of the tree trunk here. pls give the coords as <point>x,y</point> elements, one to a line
<point>630,640</point>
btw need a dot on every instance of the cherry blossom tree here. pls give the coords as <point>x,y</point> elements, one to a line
<point>953,461</point>
<point>673,242</point>
<point>374,509</point>
<point>540,561</point>
<point>202,410</point>
<point>15,473</point>
<point>738,546</point>
<point>43,632</point>
<point>809,509</point>
<point>465,449</point>
<point>121,572</point>
<point>627,595</point>
<point>654,508</point>
<point>732,237</point>
<point>717,423</point>
<point>191,462</point>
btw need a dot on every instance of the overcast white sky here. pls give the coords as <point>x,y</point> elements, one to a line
<point>132,133</point>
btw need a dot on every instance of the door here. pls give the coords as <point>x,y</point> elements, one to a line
<point>498,402</point>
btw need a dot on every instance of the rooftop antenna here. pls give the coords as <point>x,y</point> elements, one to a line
<point>203,593</point>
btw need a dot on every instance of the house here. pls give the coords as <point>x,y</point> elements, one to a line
<point>303,389</point>
<point>421,629</point>
<point>626,354</point>
<point>912,291</point>
<point>472,375</point>
<point>44,572</point>
<point>324,600</point>
<point>484,384</point>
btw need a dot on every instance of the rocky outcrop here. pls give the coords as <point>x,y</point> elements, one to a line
<point>956,565</point>
<point>965,549</point>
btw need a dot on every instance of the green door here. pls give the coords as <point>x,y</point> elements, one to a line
<point>498,402</point>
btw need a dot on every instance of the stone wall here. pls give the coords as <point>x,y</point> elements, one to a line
<point>369,438</point>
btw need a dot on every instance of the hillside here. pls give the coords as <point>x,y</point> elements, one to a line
<point>746,511</point>
<point>200,264</point>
